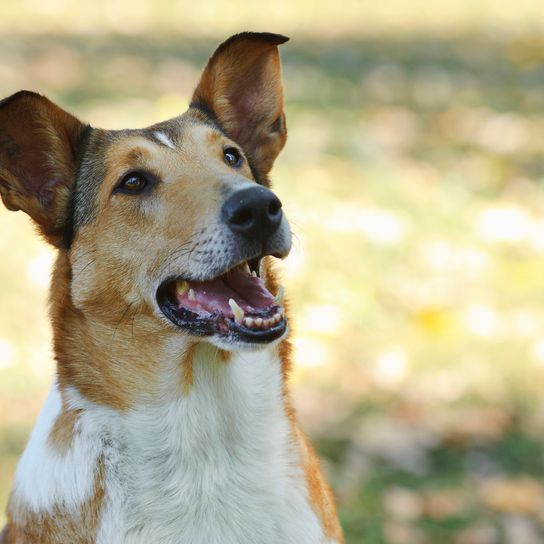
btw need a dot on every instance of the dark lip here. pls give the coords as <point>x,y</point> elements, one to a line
<point>209,326</point>
<point>215,324</point>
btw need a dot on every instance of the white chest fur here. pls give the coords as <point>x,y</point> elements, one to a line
<point>215,466</point>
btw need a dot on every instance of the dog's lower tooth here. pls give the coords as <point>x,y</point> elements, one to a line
<point>277,318</point>
<point>258,322</point>
<point>181,287</point>
<point>253,273</point>
<point>192,295</point>
<point>236,310</point>
<point>279,295</point>
<point>248,322</point>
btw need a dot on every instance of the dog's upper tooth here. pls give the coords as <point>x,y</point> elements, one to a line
<point>236,310</point>
<point>280,294</point>
<point>181,287</point>
<point>192,295</point>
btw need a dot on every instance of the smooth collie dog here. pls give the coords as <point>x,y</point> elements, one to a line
<point>170,419</point>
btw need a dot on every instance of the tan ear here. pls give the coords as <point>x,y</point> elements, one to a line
<point>39,145</point>
<point>241,86</point>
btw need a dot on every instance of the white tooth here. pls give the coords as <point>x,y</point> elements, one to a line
<point>192,295</point>
<point>236,310</point>
<point>253,273</point>
<point>258,322</point>
<point>277,318</point>
<point>248,322</point>
<point>181,287</point>
<point>280,294</point>
<point>269,322</point>
<point>245,268</point>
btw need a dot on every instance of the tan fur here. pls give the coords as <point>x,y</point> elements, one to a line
<point>321,495</point>
<point>63,431</point>
<point>187,370</point>
<point>224,356</point>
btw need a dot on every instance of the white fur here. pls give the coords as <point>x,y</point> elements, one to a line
<point>215,466</point>
<point>164,139</point>
<point>45,476</point>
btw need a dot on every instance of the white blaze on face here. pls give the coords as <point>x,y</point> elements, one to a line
<point>164,139</point>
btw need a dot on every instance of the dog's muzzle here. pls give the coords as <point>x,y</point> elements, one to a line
<point>233,302</point>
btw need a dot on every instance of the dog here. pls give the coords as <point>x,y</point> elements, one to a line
<point>170,419</point>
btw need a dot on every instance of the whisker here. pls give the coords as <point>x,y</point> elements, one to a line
<point>132,323</point>
<point>122,317</point>
<point>87,252</point>
<point>87,265</point>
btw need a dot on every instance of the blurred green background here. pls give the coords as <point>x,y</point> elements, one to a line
<point>413,180</point>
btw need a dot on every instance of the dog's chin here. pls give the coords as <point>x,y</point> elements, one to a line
<point>235,344</point>
<point>233,311</point>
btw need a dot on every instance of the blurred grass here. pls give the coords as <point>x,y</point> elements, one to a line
<point>413,180</point>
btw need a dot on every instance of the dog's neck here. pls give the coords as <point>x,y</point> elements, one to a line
<point>178,393</point>
<point>222,450</point>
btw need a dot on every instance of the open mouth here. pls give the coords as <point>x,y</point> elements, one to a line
<point>235,305</point>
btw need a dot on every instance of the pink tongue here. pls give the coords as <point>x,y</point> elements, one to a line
<point>213,296</point>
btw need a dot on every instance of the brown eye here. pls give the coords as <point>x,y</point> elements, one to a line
<point>134,183</point>
<point>232,157</point>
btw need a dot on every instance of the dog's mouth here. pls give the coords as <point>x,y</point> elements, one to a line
<point>235,305</point>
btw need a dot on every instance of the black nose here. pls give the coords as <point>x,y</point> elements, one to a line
<point>254,212</point>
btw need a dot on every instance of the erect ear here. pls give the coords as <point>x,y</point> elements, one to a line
<point>39,145</point>
<point>241,85</point>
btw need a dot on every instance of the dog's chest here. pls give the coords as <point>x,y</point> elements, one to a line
<point>215,466</point>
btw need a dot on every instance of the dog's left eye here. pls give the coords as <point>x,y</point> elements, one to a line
<point>134,183</point>
<point>232,157</point>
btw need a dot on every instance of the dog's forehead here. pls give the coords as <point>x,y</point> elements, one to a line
<point>92,168</point>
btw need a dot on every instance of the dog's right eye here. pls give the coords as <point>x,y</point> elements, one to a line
<point>134,183</point>
<point>232,157</point>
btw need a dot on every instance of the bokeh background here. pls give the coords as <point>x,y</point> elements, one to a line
<point>413,177</point>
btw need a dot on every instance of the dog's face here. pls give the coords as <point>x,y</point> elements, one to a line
<point>178,221</point>
<point>171,221</point>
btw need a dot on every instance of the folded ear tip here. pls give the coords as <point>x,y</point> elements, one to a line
<point>19,95</point>
<point>276,39</point>
<point>258,37</point>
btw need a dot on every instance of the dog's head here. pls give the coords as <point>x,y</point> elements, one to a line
<point>172,220</point>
